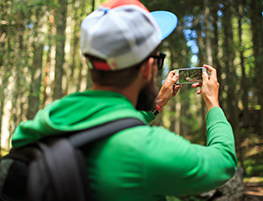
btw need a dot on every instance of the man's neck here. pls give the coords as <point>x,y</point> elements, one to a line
<point>130,92</point>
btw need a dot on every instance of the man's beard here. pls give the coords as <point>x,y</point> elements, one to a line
<point>147,96</point>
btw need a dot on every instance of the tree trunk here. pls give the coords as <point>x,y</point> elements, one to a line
<point>175,103</point>
<point>36,72</point>
<point>256,26</point>
<point>71,81</point>
<point>208,60</point>
<point>4,83</point>
<point>244,85</point>
<point>207,34</point>
<point>17,63</point>
<point>232,108</point>
<point>60,21</point>
<point>216,57</point>
<point>93,5</point>
<point>47,78</point>
<point>231,78</point>
<point>200,43</point>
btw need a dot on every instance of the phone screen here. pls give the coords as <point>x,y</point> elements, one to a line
<point>190,75</point>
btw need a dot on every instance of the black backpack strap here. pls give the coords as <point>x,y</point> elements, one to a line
<point>82,138</point>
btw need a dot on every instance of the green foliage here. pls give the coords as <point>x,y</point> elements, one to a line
<point>252,152</point>
<point>36,4</point>
<point>253,167</point>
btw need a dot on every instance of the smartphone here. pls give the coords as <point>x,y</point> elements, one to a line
<point>190,75</point>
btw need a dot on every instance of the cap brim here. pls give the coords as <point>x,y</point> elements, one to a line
<point>167,22</point>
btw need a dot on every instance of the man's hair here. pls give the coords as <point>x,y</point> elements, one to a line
<point>118,78</point>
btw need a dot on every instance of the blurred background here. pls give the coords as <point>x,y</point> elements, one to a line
<point>40,61</point>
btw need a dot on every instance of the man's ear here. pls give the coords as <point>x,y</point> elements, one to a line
<point>146,69</point>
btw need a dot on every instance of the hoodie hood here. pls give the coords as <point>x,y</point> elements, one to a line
<point>77,111</point>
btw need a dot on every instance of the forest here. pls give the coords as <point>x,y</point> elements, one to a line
<point>40,61</point>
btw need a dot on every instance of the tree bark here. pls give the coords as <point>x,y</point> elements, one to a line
<point>232,108</point>
<point>216,55</point>
<point>71,84</point>
<point>200,43</point>
<point>208,60</point>
<point>48,67</point>
<point>231,78</point>
<point>257,38</point>
<point>244,85</point>
<point>17,63</point>
<point>60,21</point>
<point>207,34</point>
<point>93,5</point>
<point>4,84</point>
<point>36,72</point>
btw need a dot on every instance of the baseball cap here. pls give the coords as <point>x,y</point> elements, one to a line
<point>124,33</point>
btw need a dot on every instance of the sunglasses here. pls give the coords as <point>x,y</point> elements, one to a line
<point>160,59</point>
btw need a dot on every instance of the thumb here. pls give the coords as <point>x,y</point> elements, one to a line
<point>205,77</point>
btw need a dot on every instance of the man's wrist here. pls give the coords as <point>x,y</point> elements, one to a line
<point>161,103</point>
<point>157,109</point>
<point>210,105</point>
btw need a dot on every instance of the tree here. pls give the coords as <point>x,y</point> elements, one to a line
<point>60,21</point>
<point>216,49</point>
<point>6,64</point>
<point>244,82</point>
<point>36,69</point>
<point>257,38</point>
<point>232,108</point>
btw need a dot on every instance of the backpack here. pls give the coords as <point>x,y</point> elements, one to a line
<point>54,168</point>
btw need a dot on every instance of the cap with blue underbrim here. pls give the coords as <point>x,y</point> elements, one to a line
<point>167,22</point>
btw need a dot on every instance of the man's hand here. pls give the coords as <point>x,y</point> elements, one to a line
<point>209,88</point>
<point>168,90</point>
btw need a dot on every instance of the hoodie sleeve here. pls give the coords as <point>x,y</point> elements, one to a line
<point>174,166</point>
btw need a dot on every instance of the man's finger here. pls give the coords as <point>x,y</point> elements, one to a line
<point>177,86</point>
<point>212,71</point>
<point>196,85</point>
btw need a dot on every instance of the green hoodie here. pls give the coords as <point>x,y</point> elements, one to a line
<point>75,112</point>
<point>139,163</point>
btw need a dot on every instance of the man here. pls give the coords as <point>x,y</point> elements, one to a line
<point>121,39</point>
